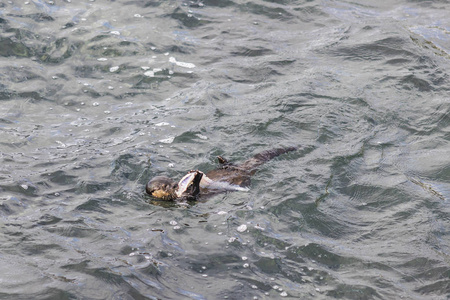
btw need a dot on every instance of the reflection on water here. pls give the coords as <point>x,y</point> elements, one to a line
<point>98,97</point>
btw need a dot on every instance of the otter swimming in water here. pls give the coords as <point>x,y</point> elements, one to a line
<point>228,177</point>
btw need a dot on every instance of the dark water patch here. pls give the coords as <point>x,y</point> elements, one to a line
<point>70,230</point>
<point>252,75</point>
<point>187,19</point>
<point>48,293</point>
<point>269,265</point>
<point>10,47</point>
<point>60,177</point>
<point>376,50</point>
<point>218,3</point>
<point>130,167</point>
<point>412,82</point>
<point>24,189</point>
<point>311,13</point>
<point>277,13</point>
<point>38,17</point>
<point>34,249</point>
<point>441,287</point>
<point>105,275</point>
<point>91,187</point>
<point>356,291</point>
<point>398,61</point>
<point>269,239</point>
<point>248,52</point>
<point>22,74</point>
<point>57,51</point>
<point>94,205</point>
<point>48,219</point>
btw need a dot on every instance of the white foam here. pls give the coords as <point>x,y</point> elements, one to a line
<point>168,140</point>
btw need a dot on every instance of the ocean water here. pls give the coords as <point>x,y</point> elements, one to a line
<point>97,97</point>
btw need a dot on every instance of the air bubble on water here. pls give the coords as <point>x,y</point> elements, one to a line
<point>220,233</point>
<point>102,59</point>
<point>54,77</point>
<point>182,64</point>
<point>114,69</point>
<point>204,275</point>
<point>167,53</point>
<point>95,104</point>
<point>222,212</point>
<point>162,124</point>
<point>110,87</point>
<point>153,48</point>
<point>107,112</point>
<point>203,267</point>
<point>231,239</point>
<point>24,186</point>
<point>115,32</point>
<point>57,194</point>
<point>171,165</point>
<point>82,103</point>
<point>259,227</point>
<point>242,228</point>
<point>176,227</point>
<point>149,74</point>
<point>244,257</point>
<point>173,222</point>
<point>283,294</point>
<point>145,68</point>
<point>246,265</point>
<point>78,109</point>
<point>170,72</point>
<point>275,287</point>
<point>254,287</point>
<point>137,16</point>
<point>168,140</point>
<point>201,136</point>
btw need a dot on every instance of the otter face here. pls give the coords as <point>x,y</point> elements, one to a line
<point>162,187</point>
<point>166,189</point>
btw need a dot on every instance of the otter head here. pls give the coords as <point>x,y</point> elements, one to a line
<point>162,187</point>
<point>166,189</point>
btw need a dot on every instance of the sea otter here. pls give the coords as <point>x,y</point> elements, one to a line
<point>228,177</point>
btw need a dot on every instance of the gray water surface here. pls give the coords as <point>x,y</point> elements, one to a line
<point>97,97</point>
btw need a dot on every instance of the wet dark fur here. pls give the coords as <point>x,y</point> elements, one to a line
<point>241,174</point>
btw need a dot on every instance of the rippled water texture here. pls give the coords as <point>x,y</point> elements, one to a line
<point>97,97</point>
